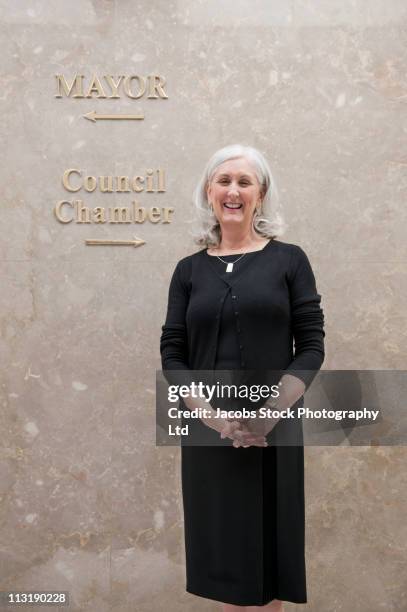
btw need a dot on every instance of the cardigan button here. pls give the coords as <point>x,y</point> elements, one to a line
<point>234,297</point>
<point>241,346</point>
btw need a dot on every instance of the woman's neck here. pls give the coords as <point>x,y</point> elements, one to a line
<point>239,244</point>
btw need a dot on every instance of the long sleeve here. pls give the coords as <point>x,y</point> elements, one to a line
<point>174,341</point>
<point>307,318</point>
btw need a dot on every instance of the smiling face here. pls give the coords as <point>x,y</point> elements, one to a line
<point>234,191</point>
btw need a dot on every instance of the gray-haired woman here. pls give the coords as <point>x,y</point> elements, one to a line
<point>245,302</point>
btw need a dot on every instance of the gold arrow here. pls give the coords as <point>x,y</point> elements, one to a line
<point>136,242</point>
<point>92,116</point>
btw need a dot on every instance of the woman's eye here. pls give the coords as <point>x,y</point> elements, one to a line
<point>223,181</point>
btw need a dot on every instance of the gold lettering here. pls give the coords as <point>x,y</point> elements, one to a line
<point>96,86</point>
<point>139,213</point>
<point>80,211</point>
<point>153,86</point>
<point>150,179</point>
<point>116,214</point>
<point>89,184</point>
<point>167,210</point>
<point>65,179</point>
<point>161,180</point>
<point>57,211</point>
<point>114,86</point>
<point>136,187</point>
<point>99,214</point>
<point>154,182</point>
<point>119,211</point>
<point>77,84</point>
<point>123,180</point>
<point>102,184</point>
<point>126,86</point>
<point>154,214</point>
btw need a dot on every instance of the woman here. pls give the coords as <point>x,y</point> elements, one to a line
<point>237,305</point>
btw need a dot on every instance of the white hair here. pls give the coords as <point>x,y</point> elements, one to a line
<point>268,222</point>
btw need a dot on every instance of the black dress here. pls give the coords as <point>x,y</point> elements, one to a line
<point>243,507</point>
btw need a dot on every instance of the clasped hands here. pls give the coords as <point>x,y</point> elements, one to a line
<point>253,432</point>
<point>244,432</point>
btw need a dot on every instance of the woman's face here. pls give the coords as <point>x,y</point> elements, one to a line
<point>234,183</point>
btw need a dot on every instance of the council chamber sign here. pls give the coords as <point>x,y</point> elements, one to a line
<point>73,207</point>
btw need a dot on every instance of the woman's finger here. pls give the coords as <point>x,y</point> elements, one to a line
<point>249,441</point>
<point>248,436</point>
<point>229,429</point>
<point>242,437</point>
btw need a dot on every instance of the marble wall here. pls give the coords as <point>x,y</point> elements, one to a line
<point>89,504</point>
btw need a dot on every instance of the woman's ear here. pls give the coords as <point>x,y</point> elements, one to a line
<point>208,191</point>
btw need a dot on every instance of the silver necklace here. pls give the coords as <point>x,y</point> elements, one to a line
<point>230,264</point>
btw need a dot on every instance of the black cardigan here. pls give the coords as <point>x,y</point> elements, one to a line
<point>276,306</point>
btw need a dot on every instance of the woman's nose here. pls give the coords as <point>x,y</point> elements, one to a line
<point>233,191</point>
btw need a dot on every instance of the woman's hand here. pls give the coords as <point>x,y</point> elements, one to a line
<point>291,389</point>
<point>234,429</point>
<point>241,435</point>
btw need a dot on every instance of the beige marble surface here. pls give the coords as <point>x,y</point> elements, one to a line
<point>88,503</point>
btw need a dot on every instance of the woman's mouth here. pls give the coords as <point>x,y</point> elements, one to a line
<point>232,206</point>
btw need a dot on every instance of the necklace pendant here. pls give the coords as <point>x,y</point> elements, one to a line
<point>229,267</point>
